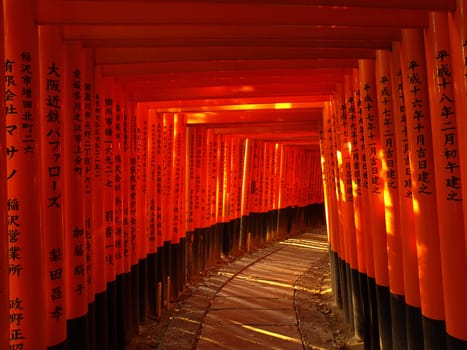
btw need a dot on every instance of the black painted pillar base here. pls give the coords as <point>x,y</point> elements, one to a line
<point>456,343</point>
<point>384,316</point>
<point>373,307</point>
<point>151,283</point>
<point>143,290</point>
<point>358,315</point>
<point>112,315</point>
<point>92,325</point>
<point>61,346</point>
<point>414,325</point>
<point>101,321</point>
<point>135,295</point>
<point>434,333</point>
<point>78,335</point>
<point>398,320</point>
<point>365,302</point>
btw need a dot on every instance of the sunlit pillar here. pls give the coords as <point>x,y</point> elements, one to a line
<point>52,144</point>
<point>446,152</point>
<point>413,66</point>
<point>369,110</point>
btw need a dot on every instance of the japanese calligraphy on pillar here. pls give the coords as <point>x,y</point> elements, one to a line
<point>368,104</point>
<point>133,183</point>
<point>403,135</point>
<point>388,133</point>
<point>422,173</point>
<point>53,181</point>
<point>354,142</point>
<point>118,194</point>
<point>448,126</point>
<point>107,172</point>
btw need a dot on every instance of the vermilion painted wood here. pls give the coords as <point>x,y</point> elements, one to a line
<point>129,12</point>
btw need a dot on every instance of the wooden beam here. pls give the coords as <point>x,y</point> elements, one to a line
<point>170,12</point>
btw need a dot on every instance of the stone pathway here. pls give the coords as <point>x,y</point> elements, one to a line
<point>247,304</point>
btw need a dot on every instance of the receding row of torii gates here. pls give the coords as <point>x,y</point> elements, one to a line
<point>108,206</point>
<point>103,200</point>
<point>394,147</point>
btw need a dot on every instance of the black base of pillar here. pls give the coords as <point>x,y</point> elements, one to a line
<point>359,326</point>
<point>434,333</point>
<point>61,346</point>
<point>398,320</point>
<point>78,335</point>
<point>101,320</point>
<point>414,328</point>
<point>92,325</point>
<point>384,316</point>
<point>143,290</point>
<point>135,295</point>
<point>373,309</point>
<point>456,344</point>
<point>112,315</point>
<point>151,283</point>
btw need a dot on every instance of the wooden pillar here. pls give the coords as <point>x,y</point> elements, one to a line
<point>413,66</point>
<point>446,152</point>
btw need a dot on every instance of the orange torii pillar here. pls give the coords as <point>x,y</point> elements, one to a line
<point>364,237</point>
<point>346,118</point>
<point>141,217</point>
<point>245,156</point>
<point>52,172</point>
<point>98,231</point>
<point>150,227</point>
<point>376,197</point>
<point>391,197</point>
<point>74,225</point>
<point>132,214</point>
<point>27,314</point>
<point>330,190</point>
<point>458,32</point>
<point>88,187</point>
<point>107,190</point>
<point>423,187</point>
<point>447,159</point>
<point>413,322</point>
<point>4,297</point>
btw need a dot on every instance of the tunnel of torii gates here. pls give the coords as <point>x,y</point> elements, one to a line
<point>145,140</point>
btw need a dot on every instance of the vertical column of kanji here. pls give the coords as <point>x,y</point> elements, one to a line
<point>254,189</point>
<point>25,249</point>
<point>213,174</point>
<point>270,189</point>
<point>160,199</point>
<point>141,243</point>
<point>176,229</point>
<point>343,241</point>
<point>88,178</point>
<point>391,198</point>
<point>227,177</point>
<point>216,229</point>
<point>347,122</point>
<point>354,149</point>
<point>408,241</point>
<point>127,259</point>
<point>198,215</point>
<point>235,185</point>
<point>458,36</point>
<point>281,192</point>
<point>98,232</point>
<point>245,159</point>
<point>118,218</point>
<point>423,187</point>
<point>376,196</point>
<point>276,186</point>
<point>167,195</point>
<point>231,178</point>
<point>75,238</point>
<point>332,219</point>
<point>51,142</point>
<point>150,228</point>
<point>182,202</point>
<point>446,152</point>
<point>133,212</point>
<point>107,192</point>
<point>4,310</point>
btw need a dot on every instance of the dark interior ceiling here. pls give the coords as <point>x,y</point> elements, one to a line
<point>259,68</point>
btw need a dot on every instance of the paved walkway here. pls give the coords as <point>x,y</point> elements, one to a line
<point>247,304</point>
